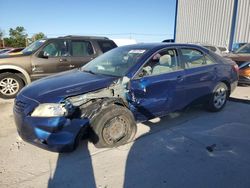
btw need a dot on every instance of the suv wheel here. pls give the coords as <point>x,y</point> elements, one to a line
<point>114,126</point>
<point>10,85</point>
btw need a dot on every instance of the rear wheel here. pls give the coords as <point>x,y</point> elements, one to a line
<point>10,85</point>
<point>114,126</point>
<point>218,98</point>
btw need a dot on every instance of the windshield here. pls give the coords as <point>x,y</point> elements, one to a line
<point>33,46</point>
<point>244,49</point>
<point>116,62</point>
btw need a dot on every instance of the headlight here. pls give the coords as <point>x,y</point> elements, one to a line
<point>50,110</point>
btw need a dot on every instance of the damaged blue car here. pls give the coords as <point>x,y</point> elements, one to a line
<point>106,97</point>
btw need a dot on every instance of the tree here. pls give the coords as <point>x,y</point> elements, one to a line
<point>1,38</point>
<point>1,34</point>
<point>17,37</point>
<point>38,36</point>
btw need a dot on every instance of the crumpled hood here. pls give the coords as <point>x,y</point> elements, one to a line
<point>70,83</point>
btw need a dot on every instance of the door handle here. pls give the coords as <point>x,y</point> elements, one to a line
<point>62,60</point>
<point>180,78</point>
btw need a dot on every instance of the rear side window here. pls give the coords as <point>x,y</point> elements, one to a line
<point>106,45</point>
<point>244,49</point>
<point>193,58</point>
<point>81,48</point>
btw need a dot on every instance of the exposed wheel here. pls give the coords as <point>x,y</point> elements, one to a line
<point>218,98</point>
<point>10,85</point>
<point>114,126</point>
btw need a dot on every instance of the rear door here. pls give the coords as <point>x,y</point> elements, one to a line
<point>158,87</point>
<point>82,51</point>
<point>200,73</point>
<point>52,58</point>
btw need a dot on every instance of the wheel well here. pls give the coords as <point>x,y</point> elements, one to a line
<point>120,103</point>
<point>16,72</point>
<point>228,86</point>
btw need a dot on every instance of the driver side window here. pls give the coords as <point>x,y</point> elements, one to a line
<point>56,49</point>
<point>160,63</point>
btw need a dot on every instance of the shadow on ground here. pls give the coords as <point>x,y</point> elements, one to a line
<point>209,150</point>
<point>246,101</point>
<point>74,169</point>
<point>191,149</point>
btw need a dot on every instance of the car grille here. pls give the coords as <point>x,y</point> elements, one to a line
<point>19,106</point>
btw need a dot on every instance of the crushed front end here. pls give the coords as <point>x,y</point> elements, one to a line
<point>51,133</point>
<point>56,126</point>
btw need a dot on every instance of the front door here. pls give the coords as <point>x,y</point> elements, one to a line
<point>54,57</point>
<point>158,87</point>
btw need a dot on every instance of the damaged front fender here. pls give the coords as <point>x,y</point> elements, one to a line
<point>90,104</point>
<point>94,107</point>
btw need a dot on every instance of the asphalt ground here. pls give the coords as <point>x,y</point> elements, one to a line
<point>192,148</point>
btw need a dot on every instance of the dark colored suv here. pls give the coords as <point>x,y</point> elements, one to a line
<point>46,57</point>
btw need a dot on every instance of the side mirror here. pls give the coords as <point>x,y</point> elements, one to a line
<point>43,54</point>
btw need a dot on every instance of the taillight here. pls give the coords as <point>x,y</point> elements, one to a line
<point>236,68</point>
<point>245,72</point>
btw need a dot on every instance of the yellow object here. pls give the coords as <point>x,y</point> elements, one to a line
<point>15,53</point>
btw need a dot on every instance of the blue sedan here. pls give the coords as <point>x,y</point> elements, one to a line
<point>129,84</point>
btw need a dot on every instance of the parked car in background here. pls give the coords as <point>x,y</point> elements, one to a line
<point>223,50</point>
<point>10,51</point>
<point>244,71</point>
<point>168,40</point>
<point>126,85</point>
<point>242,58</point>
<point>218,50</point>
<point>236,46</point>
<point>3,50</point>
<point>14,51</point>
<point>46,57</point>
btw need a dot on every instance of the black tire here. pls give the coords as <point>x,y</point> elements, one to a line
<point>10,85</point>
<point>218,98</point>
<point>112,127</point>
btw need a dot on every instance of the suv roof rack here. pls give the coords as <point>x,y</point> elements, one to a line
<point>85,37</point>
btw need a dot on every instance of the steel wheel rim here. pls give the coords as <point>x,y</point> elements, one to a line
<point>220,96</point>
<point>9,86</point>
<point>115,130</point>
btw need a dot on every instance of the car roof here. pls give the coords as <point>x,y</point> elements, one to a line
<point>163,45</point>
<point>83,37</point>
